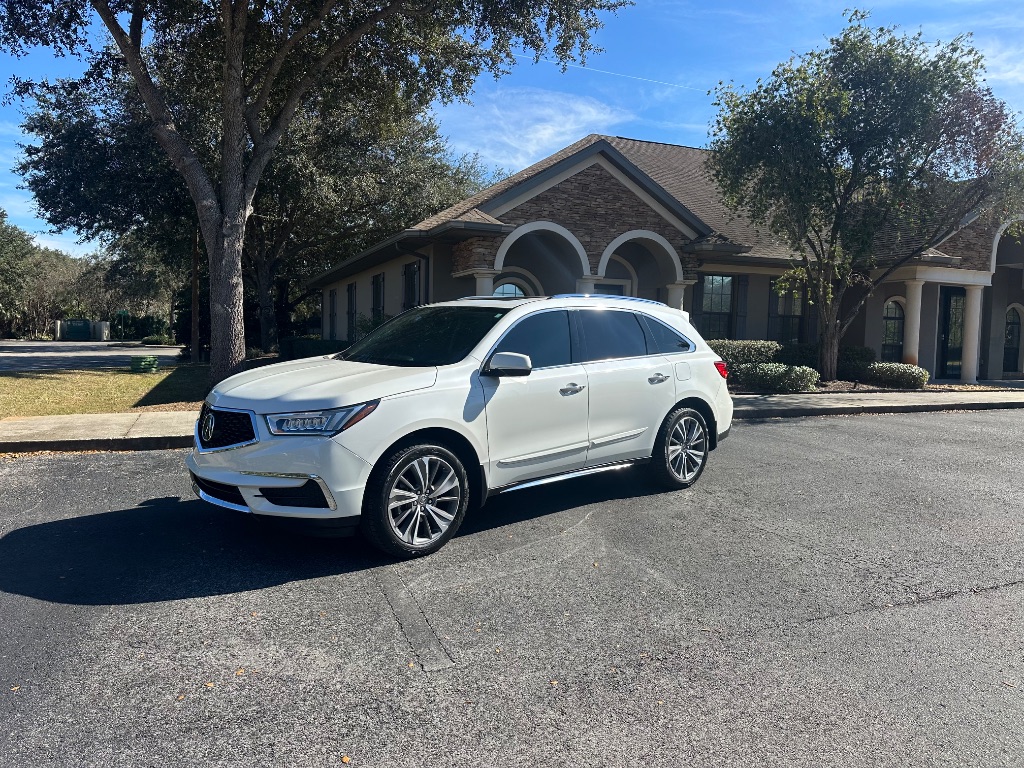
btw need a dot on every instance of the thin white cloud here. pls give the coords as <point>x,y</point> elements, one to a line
<point>67,243</point>
<point>1003,63</point>
<point>514,127</point>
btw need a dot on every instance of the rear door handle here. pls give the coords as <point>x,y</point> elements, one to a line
<point>658,378</point>
<point>572,389</point>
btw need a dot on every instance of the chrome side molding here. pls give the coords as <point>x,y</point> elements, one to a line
<point>568,476</point>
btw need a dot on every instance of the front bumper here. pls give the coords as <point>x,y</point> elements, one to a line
<point>283,477</point>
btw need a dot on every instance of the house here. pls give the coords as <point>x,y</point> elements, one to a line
<point>638,218</point>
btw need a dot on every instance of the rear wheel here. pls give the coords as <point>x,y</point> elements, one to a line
<point>681,450</point>
<point>415,501</point>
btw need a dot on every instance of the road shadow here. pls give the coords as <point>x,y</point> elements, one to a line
<point>166,549</point>
<point>527,504</point>
<point>173,549</point>
<point>184,384</point>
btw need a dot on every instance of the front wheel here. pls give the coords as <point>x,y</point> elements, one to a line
<point>415,500</point>
<point>681,450</point>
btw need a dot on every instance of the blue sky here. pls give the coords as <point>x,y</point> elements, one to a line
<point>651,82</point>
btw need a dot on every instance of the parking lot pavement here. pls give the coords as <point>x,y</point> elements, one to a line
<point>57,355</point>
<point>834,592</point>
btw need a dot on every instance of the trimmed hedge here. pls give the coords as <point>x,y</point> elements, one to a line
<point>745,352</point>
<point>156,341</point>
<point>898,375</point>
<point>854,362</point>
<point>774,377</point>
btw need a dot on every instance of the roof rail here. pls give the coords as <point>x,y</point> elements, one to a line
<point>497,298</point>
<point>606,296</point>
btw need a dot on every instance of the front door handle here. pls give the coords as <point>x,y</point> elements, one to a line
<point>572,389</point>
<point>658,378</point>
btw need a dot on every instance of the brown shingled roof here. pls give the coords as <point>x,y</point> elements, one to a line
<point>458,211</point>
<point>681,172</point>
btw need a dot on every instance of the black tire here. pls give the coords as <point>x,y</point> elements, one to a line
<point>680,468</point>
<point>415,527</point>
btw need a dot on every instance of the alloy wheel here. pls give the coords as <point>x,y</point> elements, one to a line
<point>423,500</point>
<point>687,448</point>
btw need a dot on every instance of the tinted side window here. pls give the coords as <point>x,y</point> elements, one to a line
<point>612,334</point>
<point>667,341</point>
<point>544,337</point>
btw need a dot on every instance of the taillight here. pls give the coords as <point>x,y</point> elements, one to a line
<point>723,369</point>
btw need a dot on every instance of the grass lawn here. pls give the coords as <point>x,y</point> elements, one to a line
<point>112,390</point>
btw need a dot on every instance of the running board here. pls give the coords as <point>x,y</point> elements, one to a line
<point>568,475</point>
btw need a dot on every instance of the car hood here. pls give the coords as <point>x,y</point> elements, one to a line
<point>315,383</point>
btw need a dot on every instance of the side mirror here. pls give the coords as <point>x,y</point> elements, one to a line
<point>508,364</point>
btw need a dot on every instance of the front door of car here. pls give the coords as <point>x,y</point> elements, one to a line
<point>631,391</point>
<point>537,424</point>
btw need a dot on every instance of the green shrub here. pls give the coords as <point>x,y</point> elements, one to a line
<point>774,377</point>
<point>898,375</point>
<point>854,363</point>
<point>156,341</point>
<point>745,352</point>
<point>799,354</point>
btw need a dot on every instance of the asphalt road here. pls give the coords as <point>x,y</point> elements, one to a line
<point>55,355</point>
<point>834,592</point>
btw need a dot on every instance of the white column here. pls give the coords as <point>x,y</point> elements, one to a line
<point>676,292</point>
<point>586,284</point>
<point>484,282</point>
<point>972,333</point>
<point>912,322</point>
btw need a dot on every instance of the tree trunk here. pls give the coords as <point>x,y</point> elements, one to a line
<point>828,342</point>
<point>195,297</point>
<point>227,330</point>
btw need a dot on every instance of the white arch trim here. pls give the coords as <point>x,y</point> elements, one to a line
<point>1018,307</point>
<point>524,278</point>
<point>640,234</point>
<point>901,300</point>
<point>626,266</point>
<point>998,237</point>
<point>542,226</point>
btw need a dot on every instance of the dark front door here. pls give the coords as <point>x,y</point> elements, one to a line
<point>951,331</point>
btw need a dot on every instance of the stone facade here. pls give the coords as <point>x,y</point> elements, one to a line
<point>596,208</point>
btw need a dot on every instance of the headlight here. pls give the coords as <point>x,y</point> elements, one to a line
<point>326,422</point>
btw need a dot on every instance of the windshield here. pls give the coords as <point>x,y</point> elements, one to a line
<point>425,336</point>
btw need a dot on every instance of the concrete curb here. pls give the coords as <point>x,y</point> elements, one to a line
<point>756,414</point>
<point>151,443</point>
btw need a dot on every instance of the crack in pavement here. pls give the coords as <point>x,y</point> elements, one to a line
<point>412,620</point>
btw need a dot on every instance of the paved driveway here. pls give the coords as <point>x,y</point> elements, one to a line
<point>834,592</point>
<point>55,355</point>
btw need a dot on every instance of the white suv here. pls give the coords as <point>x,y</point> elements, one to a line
<point>448,404</point>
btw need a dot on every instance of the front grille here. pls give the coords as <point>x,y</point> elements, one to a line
<point>228,493</point>
<point>229,428</point>
<point>308,495</point>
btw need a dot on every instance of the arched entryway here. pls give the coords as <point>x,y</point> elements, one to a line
<point>541,258</point>
<point>639,263</point>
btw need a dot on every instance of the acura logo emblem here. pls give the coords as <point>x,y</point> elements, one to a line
<point>208,423</point>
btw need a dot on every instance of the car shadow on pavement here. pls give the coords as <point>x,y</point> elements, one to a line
<point>166,549</point>
<point>174,549</point>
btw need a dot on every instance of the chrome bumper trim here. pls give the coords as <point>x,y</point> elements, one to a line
<point>300,476</point>
<point>219,502</point>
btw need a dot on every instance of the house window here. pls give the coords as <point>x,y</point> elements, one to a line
<point>350,312</point>
<point>508,289</point>
<point>1011,345</point>
<point>411,285</point>
<point>332,318</point>
<point>892,332</point>
<point>786,324</point>
<point>716,307</point>
<point>377,297</point>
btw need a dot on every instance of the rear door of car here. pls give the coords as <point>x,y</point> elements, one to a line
<point>632,385</point>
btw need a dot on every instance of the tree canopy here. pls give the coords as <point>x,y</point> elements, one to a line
<point>264,60</point>
<point>864,154</point>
